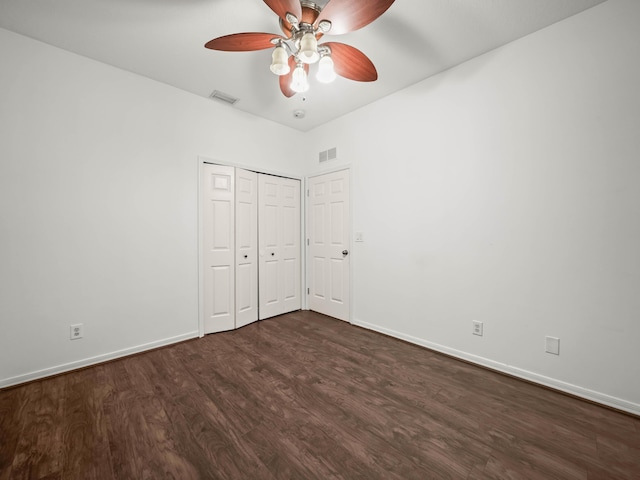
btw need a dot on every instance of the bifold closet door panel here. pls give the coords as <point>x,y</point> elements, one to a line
<point>246,247</point>
<point>269,240</point>
<point>279,245</point>
<point>218,222</point>
<point>290,245</point>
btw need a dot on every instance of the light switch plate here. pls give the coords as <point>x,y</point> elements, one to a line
<point>359,237</point>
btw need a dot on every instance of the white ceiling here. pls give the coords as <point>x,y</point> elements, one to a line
<point>164,40</point>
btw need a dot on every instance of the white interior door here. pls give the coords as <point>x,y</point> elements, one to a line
<point>279,245</point>
<point>329,239</point>
<point>246,247</point>
<point>218,206</point>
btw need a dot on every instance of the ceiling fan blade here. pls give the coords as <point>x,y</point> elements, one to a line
<point>349,15</point>
<point>285,80</point>
<point>242,42</point>
<point>309,15</point>
<point>281,7</point>
<point>351,63</point>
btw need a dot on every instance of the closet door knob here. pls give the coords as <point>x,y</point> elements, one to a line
<point>246,256</point>
<point>272,254</point>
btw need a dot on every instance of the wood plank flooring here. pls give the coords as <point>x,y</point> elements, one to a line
<point>304,396</point>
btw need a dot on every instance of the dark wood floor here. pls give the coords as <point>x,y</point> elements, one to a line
<point>304,396</point>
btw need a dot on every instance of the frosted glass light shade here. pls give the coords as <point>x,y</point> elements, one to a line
<point>280,61</point>
<point>299,81</point>
<point>326,73</point>
<point>309,48</point>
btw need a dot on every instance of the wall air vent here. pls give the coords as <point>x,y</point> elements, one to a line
<point>330,154</point>
<point>223,97</point>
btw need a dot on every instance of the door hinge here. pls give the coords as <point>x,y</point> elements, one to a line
<point>307,291</point>
<point>307,192</point>
<point>307,242</point>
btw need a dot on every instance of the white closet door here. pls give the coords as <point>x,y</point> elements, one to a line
<point>279,240</point>
<point>246,247</point>
<point>290,244</point>
<point>218,205</point>
<point>329,238</point>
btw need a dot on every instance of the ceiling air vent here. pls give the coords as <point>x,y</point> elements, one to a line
<point>223,97</point>
<point>330,154</point>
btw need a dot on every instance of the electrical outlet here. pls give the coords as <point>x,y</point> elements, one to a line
<point>552,345</point>
<point>477,328</point>
<point>76,331</point>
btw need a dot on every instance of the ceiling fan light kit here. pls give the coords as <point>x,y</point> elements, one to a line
<point>304,23</point>
<point>308,52</point>
<point>299,81</point>
<point>326,72</point>
<point>280,61</point>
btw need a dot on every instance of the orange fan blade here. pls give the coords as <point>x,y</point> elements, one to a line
<point>351,63</point>
<point>281,7</point>
<point>309,15</point>
<point>349,15</point>
<point>242,42</point>
<point>285,80</point>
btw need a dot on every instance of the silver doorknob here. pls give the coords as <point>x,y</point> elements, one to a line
<point>345,252</point>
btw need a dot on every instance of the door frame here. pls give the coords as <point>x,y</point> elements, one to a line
<point>200,161</point>
<point>307,236</point>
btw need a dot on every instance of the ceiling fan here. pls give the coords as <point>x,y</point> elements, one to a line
<point>303,24</point>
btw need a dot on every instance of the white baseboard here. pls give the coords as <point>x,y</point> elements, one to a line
<point>576,390</point>
<point>87,362</point>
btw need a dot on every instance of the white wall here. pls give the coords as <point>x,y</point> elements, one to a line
<point>98,205</point>
<point>506,190</point>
